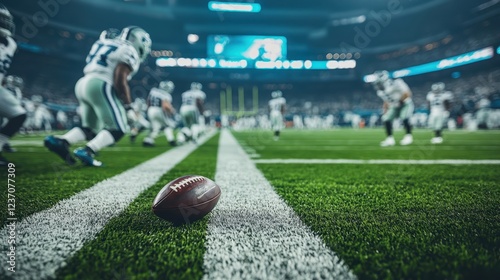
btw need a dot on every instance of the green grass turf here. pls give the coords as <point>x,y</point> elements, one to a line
<point>364,144</point>
<point>43,179</point>
<point>400,222</point>
<point>394,221</point>
<point>139,245</point>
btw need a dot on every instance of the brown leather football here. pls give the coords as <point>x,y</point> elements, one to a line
<point>186,199</point>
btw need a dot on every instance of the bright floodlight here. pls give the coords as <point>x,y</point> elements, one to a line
<point>193,38</point>
<point>233,7</point>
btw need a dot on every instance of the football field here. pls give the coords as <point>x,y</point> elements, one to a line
<point>315,204</point>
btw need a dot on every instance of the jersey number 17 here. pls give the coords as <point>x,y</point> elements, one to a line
<point>100,52</point>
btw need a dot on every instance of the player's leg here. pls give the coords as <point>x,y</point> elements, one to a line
<point>111,117</point>
<point>438,123</point>
<point>405,115</point>
<point>11,109</point>
<point>187,115</point>
<point>169,134</point>
<point>60,144</point>
<point>387,119</point>
<point>156,123</point>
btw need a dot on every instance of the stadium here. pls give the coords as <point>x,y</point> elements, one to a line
<point>347,139</point>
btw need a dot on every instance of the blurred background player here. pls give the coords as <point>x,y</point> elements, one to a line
<point>10,106</point>
<point>191,109</point>
<point>439,104</point>
<point>483,108</point>
<point>136,116</point>
<point>43,118</point>
<point>397,105</point>
<point>160,113</point>
<point>276,110</point>
<point>14,84</point>
<point>102,94</point>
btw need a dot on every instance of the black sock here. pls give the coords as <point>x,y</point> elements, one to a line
<point>388,128</point>
<point>407,126</point>
<point>277,133</point>
<point>438,133</point>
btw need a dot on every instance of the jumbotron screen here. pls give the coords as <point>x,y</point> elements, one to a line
<point>248,47</point>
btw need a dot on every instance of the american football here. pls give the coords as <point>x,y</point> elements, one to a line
<point>186,199</point>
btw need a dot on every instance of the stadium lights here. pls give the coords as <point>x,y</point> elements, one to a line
<point>233,7</point>
<point>245,64</point>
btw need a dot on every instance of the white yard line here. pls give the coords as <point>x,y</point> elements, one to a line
<point>45,240</point>
<point>253,234</point>
<point>379,161</point>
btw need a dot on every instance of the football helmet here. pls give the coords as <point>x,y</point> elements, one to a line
<point>110,33</point>
<point>196,86</point>
<point>438,87</point>
<point>139,39</point>
<point>7,26</point>
<point>276,94</point>
<point>381,77</point>
<point>167,86</point>
<point>14,81</point>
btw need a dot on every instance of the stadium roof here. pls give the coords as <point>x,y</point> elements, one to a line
<point>313,26</point>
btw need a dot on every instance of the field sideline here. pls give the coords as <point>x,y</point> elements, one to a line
<point>381,211</point>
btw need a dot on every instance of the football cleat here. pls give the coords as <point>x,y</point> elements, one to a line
<point>437,140</point>
<point>148,142</point>
<point>86,157</point>
<point>59,147</point>
<point>389,141</point>
<point>407,140</point>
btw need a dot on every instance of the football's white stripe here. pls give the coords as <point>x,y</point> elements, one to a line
<point>47,238</point>
<point>253,234</point>
<point>379,161</point>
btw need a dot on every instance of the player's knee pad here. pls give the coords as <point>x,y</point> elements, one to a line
<point>117,134</point>
<point>89,134</point>
<point>13,125</point>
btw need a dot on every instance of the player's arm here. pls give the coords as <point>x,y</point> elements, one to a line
<point>120,82</point>
<point>283,108</point>
<point>385,107</point>
<point>167,107</point>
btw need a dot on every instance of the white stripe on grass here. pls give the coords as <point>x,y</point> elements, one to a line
<point>379,161</point>
<point>253,234</point>
<point>47,238</point>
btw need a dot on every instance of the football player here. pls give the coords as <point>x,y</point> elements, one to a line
<point>10,106</point>
<point>191,109</point>
<point>439,103</point>
<point>483,109</point>
<point>397,104</point>
<point>160,113</point>
<point>103,94</point>
<point>15,85</point>
<point>276,110</point>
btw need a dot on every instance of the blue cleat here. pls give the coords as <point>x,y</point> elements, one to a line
<point>60,148</point>
<point>86,157</point>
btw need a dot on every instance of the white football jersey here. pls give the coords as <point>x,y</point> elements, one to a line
<point>276,104</point>
<point>437,99</point>
<point>393,91</point>
<point>105,55</point>
<point>7,52</point>
<point>189,97</point>
<point>157,96</point>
